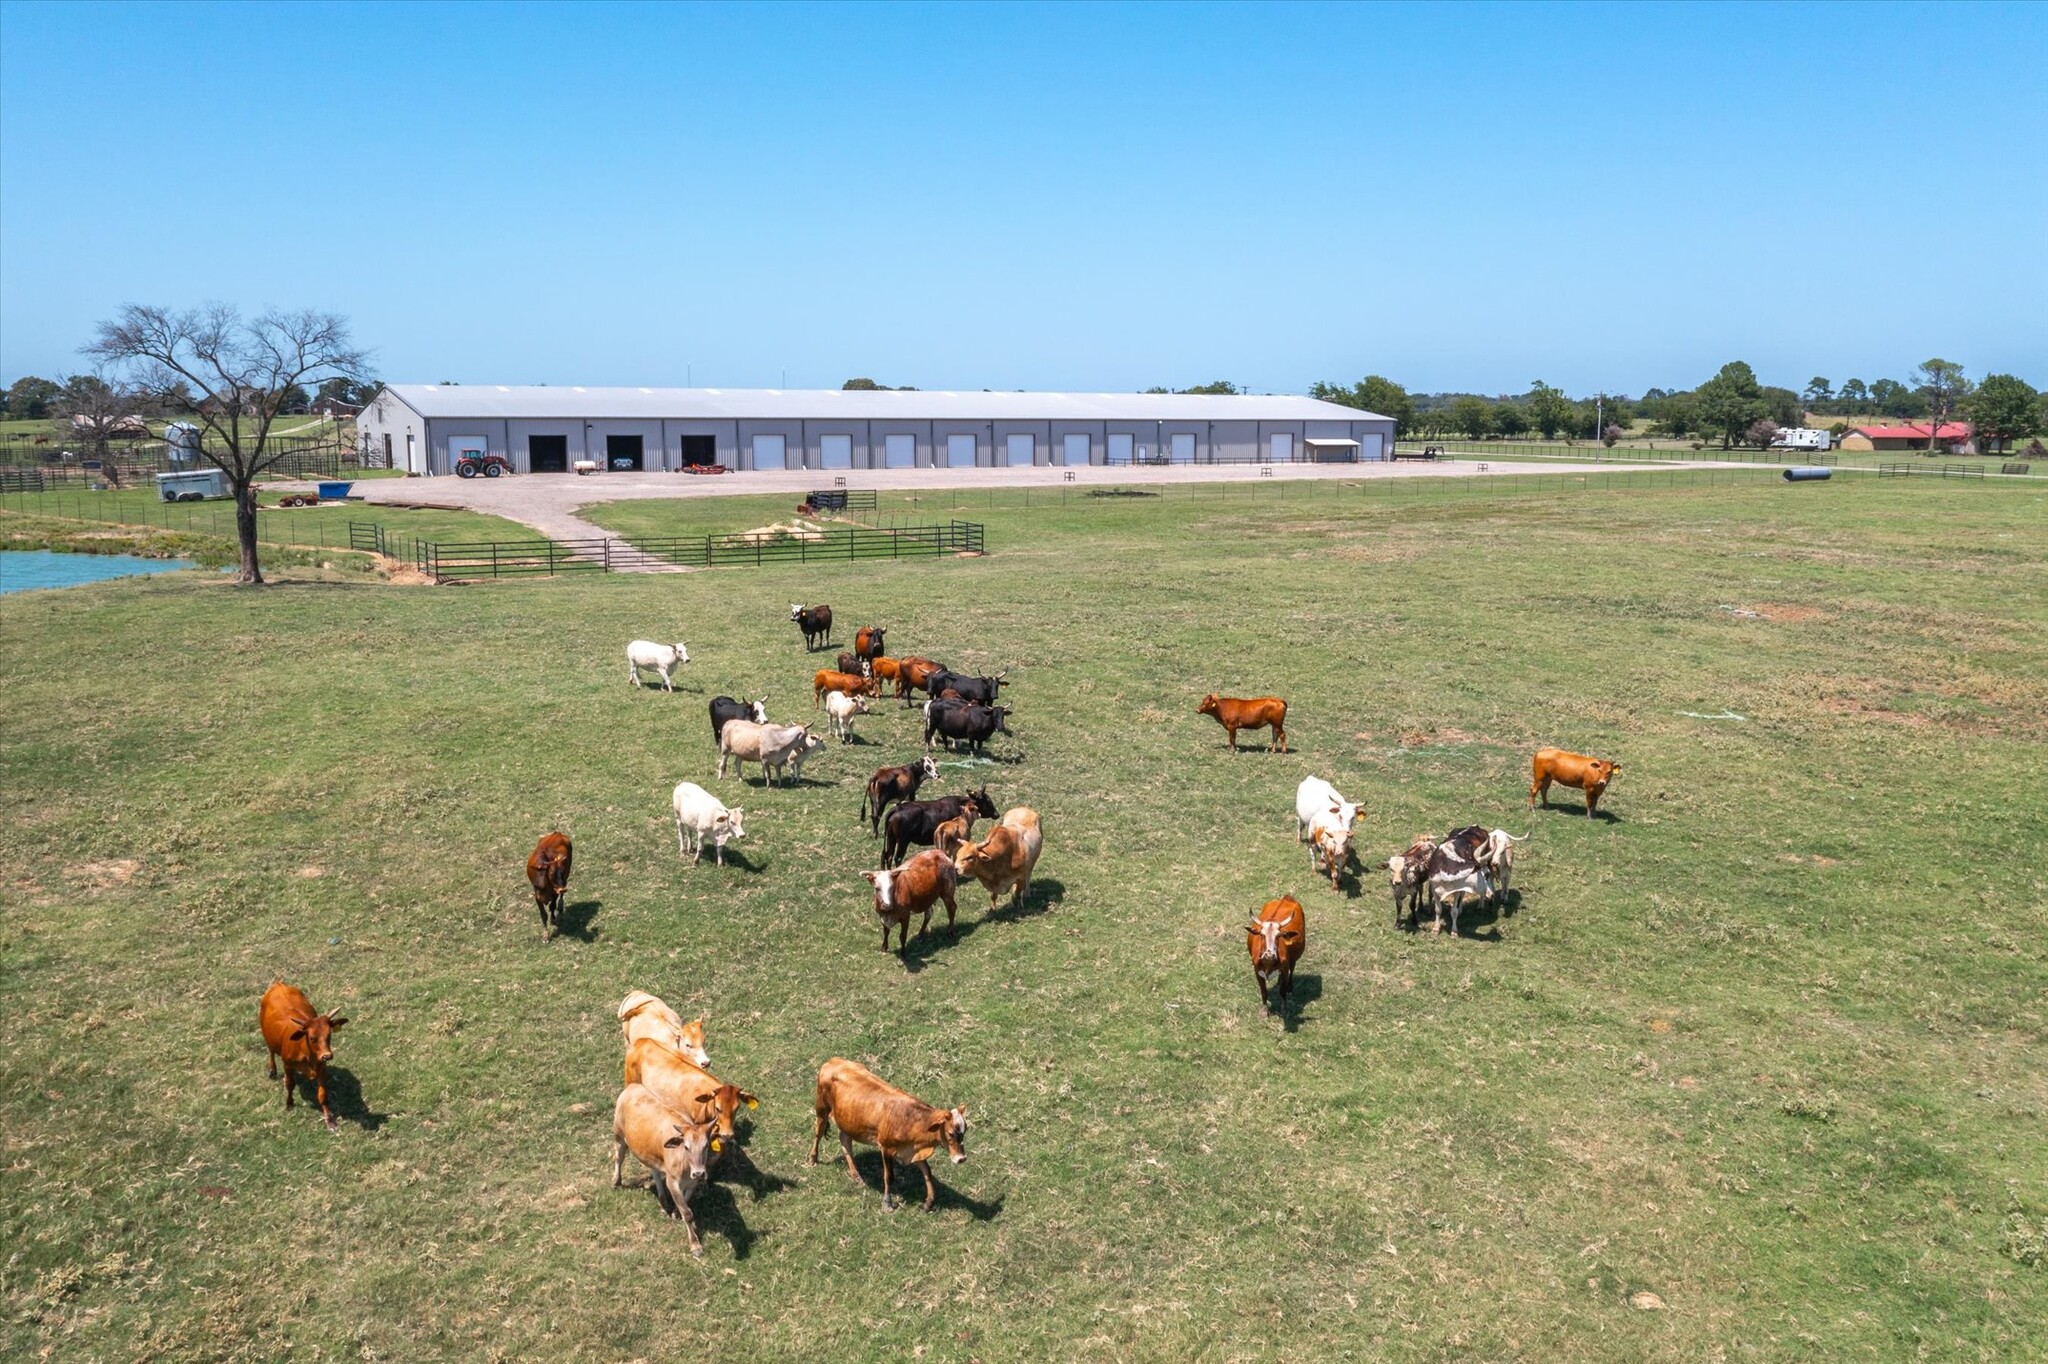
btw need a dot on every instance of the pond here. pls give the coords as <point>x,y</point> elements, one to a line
<point>25,570</point>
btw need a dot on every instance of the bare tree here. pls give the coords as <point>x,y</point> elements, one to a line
<point>98,409</point>
<point>244,372</point>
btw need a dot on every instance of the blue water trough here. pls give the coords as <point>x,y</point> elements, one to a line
<point>1798,473</point>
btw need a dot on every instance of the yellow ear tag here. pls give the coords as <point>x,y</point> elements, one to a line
<point>753,1103</point>
<point>717,1145</point>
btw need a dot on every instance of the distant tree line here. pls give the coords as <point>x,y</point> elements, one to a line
<point>93,399</point>
<point>1732,408</point>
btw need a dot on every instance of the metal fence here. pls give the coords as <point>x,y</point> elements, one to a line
<point>467,562</point>
<point>39,467</point>
<point>841,499</point>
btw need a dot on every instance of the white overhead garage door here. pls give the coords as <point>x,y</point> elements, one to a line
<point>770,452</point>
<point>1076,450</point>
<point>1119,447</point>
<point>960,452</point>
<point>901,451</point>
<point>1022,448</point>
<point>835,452</point>
<point>1183,447</point>
<point>1369,447</point>
<point>1282,447</point>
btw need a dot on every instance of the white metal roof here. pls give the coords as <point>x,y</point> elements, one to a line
<point>831,404</point>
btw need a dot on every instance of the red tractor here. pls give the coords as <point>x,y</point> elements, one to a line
<point>474,462</point>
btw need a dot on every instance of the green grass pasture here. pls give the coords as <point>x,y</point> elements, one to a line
<point>1767,1044</point>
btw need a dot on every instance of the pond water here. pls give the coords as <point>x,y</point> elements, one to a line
<point>24,570</point>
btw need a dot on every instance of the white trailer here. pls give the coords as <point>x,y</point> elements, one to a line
<point>1803,438</point>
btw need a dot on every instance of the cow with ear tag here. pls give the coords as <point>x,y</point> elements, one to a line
<point>301,1038</point>
<point>1275,940</point>
<point>676,1151</point>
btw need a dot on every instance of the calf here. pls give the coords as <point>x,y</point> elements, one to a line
<point>913,888</point>
<point>701,815</point>
<point>675,1150</point>
<point>985,690</point>
<point>917,821</point>
<point>643,1015</point>
<point>547,871</point>
<point>869,1110</point>
<point>724,708</point>
<point>772,746</point>
<point>1408,872</point>
<point>964,722</point>
<point>842,708</point>
<point>1329,846</point>
<point>660,659</point>
<point>948,837</point>
<point>814,621</point>
<point>1590,775</point>
<point>893,784</point>
<point>851,663</point>
<point>828,679</point>
<point>686,1086</point>
<point>1005,859</point>
<point>301,1038</point>
<point>867,641</point>
<point>1258,713</point>
<point>1275,940</point>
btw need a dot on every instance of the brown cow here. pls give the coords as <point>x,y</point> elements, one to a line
<point>867,641</point>
<point>885,669</point>
<point>686,1087</point>
<point>675,1151</point>
<point>1258,713</point>
<point>1275,941</point>
<point>547,871</point>
<point>913,888</point>
<point>948,837</point>
<point>851,663</point>
<point>1589,775</point>
<point>830,679</point>
<point>894,784</point>
<point>913,673</point>
<point>1006,858</point>
<point>302,1038</point>
<point>869,1110</point>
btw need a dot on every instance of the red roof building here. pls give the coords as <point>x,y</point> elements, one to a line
<point>1957,438</point>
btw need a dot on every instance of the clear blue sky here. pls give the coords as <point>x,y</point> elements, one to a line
<point>1097,197</point>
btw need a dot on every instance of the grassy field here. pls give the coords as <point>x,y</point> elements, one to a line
<point>1767,1044</point>
<point>322,526</point>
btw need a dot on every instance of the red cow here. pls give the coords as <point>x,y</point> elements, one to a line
<point>870,1110</point>
<point>1276,939</point>
<point>913,888</point>
<point>547,871</point>
<point>829,679</point>
<point>867,641</point>
<point>1258,713</point>
<point>303,1038</point>
<point>1589,775</point>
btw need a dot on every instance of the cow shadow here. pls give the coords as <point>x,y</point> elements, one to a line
<point>1308,988</point>
<point>908,1186</point>
<point>739,1168</point>
<point>345,1097</point>
<point>735,859</point>
<point>1560,808</point>
<point>1045,892</point>
<point>574,920</point>
<point>1482,922</point>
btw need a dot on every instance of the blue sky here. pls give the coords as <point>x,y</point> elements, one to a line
<point>1094,197</point>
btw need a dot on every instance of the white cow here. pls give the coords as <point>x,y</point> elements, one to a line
<point>660,659</point>
<point>698,814</point>
<point>1314,797</point>
<point>1329,846</point>
<point>1498,857</point>
<point>772,746</point>
<point>842,708</point>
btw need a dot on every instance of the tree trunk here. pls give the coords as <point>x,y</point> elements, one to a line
<point>245,531</point>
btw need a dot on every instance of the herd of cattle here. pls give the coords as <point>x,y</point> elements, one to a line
<point>677,1118</point>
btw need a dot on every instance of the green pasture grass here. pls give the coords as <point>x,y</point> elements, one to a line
<point>298,526</point>
<point>1768,1043</point>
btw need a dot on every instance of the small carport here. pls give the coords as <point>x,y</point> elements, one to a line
<point>1331,450</point>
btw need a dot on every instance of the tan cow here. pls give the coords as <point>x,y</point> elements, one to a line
<point>642,1015</point>
<point>1590,775</point>
<point>690,1089</point>
<point>1006,858</point>
<point>675,1151</point>
<point>869,1110</point>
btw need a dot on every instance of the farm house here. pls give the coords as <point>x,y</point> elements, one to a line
<point>426,428</point>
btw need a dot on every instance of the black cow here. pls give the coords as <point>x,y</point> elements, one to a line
<point>982,689</point>
<point>918,821</point>
<point>893,783</point>
<point>814,621</point>
<point>963,722</point>
<point>724,708</point>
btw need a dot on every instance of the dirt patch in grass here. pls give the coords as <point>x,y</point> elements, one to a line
<point>1788,615</point>
<point>105,875</point>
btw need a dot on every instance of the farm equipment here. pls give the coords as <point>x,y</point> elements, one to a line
<point>476,462</point>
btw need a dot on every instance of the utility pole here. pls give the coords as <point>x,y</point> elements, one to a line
<point>1600,417</point>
